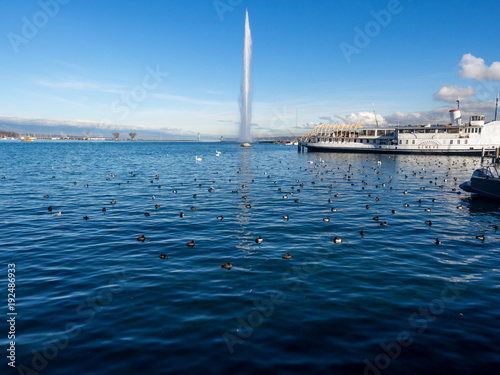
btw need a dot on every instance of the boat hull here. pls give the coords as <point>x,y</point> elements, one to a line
<point>486,187</point>
<point>392,150</point>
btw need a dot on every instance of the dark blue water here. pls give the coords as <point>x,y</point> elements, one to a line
<point>91,299</point>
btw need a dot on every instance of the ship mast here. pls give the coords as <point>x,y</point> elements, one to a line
<point>496,108</point>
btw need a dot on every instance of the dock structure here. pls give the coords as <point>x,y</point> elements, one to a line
<point>493,155</point>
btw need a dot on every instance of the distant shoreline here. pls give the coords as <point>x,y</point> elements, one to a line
<point>278,141</point>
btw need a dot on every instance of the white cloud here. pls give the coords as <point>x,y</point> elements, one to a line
<point>363,118</point>
<point>309,125</point>
<point>451,93</point>
<point>189,100</point>
<point>435,116</point>
<point>475,68</point>
<point>441,115</point>
<point>84,86</point>
<point>328,118</point>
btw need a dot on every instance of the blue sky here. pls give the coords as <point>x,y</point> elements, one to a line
<point>176,65</point>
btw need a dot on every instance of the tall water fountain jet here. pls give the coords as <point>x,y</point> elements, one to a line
<point>245,104</point>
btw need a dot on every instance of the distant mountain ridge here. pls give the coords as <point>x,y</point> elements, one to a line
<point>42,130</point>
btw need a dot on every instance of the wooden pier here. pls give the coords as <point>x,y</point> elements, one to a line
<point>493,155</point>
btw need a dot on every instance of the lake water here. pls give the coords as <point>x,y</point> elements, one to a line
<point>92,299</point>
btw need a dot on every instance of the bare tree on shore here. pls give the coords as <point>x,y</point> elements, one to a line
<point>132,135</point>
<point>116,135</point>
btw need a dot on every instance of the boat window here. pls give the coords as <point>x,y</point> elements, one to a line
<point>401,141</point>
<point>406,141</point>
<point>458,141</point>
<point>483,172</point>
<point>413,142</point>
<point>479,130</point>
<point>451,142</point>
<point>466,141</point>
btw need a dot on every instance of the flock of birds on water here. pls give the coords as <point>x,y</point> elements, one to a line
<point>321,171</point>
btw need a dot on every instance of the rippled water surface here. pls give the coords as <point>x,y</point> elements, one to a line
<point>92,299</point>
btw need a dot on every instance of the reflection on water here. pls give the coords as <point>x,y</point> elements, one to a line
<point>480,205</point>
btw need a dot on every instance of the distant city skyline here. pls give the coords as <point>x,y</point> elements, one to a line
<point>175,67</point>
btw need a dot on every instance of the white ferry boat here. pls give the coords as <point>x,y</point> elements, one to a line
<point>459,138</point>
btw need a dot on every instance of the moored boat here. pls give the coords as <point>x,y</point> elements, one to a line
<point>459,138</point>
<point>485,181</point>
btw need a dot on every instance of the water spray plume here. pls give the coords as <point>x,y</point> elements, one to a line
<point>246,105</point>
